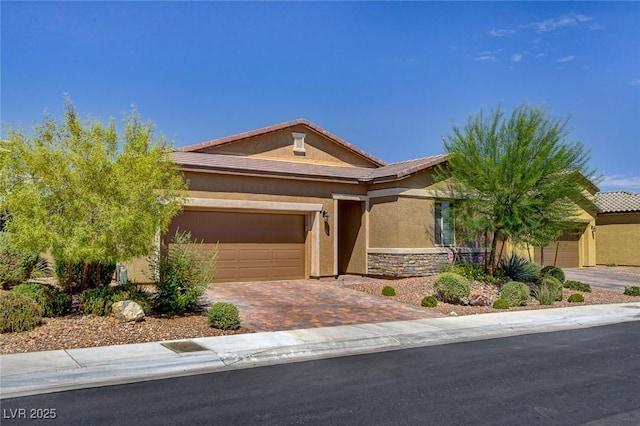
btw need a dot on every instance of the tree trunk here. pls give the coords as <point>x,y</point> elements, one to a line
<point>494,247</point>
<point>98,270</point>
<point>504,240</point>
<point>70,282</point>
<point>555,259</point>
<point>86,275</point>
<point>542,256</point>
<point>486,266</point>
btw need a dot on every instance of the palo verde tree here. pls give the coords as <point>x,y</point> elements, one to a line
<point>85,192</point>
<point>514,178</point>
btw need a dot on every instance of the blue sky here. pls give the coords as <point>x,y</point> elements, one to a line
<point>389,77</point>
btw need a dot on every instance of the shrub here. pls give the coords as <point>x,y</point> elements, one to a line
<point>51,300</point>
<point>62,275</point>
<point>451,287</point>
<point>519,269</point>
<point>554,284</point>
<point>577,285</point>
<point>575,298</point>
<point>429,302</point>
<point>545,295</point>
<point>501,304</point>
<point>224,316</point>
<point>387,290</point>
<point>182,275</point>
<point>98,301</point>
<point>611,264</point>
<point>632,291</point>
<point>18,312</point>
<point>548,291</point>
<point>16,266</point>
<point>472,271</point>
<point>552,271</point>
<point>517,294</point>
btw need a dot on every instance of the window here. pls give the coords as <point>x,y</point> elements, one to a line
<point>444,228</point>
<point>298,141</point>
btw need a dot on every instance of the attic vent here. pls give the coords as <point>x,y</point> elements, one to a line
<point>298,141</point>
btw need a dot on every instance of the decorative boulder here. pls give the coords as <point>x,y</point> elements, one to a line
<point>127,311</point>
<point>480,299</point>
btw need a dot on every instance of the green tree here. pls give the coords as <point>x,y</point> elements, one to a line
<point>514,178</point>
<point>85,192</point>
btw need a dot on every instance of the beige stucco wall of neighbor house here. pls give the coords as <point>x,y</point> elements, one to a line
<point>618,239</point>
<point>584,221</point>
<point>279,146</point>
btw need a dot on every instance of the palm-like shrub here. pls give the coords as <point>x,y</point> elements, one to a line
<point>451,287</point>
<point>519,269</point>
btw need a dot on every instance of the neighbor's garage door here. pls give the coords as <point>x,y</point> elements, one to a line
<point>568,252</point>
<point>251,246</point>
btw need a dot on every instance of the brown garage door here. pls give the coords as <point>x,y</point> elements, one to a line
<point>251,246</point>
<point>568,252</point>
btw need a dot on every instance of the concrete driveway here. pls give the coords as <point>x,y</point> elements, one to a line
<point>294,304</point>
<point>606,277</point>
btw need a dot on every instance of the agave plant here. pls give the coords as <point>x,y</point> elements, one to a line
<point>517,268</point>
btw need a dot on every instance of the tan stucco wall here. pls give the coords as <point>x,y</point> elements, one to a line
<point>279,145</point>
<point>416,224</point>
<point>383,222</point>
<point>618,239</point>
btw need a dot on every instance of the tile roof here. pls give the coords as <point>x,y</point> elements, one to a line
<point>259,166</point>
<point>281,126</point>
<point>618,201</point>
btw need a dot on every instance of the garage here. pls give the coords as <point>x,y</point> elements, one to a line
<point>251,246</point>
<point>564,253</point>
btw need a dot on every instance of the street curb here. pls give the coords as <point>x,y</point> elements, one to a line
<point>55,371</point>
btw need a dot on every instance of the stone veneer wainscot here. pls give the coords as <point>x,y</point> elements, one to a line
<point>401,264</point>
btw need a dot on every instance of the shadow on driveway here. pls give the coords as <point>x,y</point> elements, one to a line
<point>605,277</point>
<point>288,305</point>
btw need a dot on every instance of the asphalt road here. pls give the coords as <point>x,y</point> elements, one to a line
<point>584,376</point>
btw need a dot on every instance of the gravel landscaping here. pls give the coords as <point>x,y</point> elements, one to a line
<point>412,290</point>
<point>77,331</point>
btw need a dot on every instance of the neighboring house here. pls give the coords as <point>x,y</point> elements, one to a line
<point>576,248</point>
<point>618,228</point>
<point>294,201</point>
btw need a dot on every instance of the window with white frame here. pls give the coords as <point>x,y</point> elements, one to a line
<point>444,226</point>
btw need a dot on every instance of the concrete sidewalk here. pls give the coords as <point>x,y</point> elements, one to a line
<point>53,371</point>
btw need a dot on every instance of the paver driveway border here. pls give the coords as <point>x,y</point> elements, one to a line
<point>605,277</point>
<point>294,304</point>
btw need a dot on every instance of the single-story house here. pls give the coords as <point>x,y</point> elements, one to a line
<point>295,201</point>
<point>618,228</point>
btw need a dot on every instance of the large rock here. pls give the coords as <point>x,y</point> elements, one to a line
<point>480,299</point>
<point>127,311</point>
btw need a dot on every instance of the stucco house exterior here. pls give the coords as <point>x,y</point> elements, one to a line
<point>295,201</point>
<point>618,228</point>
